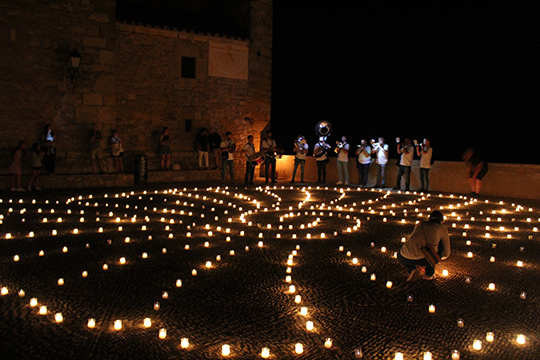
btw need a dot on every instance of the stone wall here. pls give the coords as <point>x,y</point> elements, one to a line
<point>508,180</point>
<point>129,79</point>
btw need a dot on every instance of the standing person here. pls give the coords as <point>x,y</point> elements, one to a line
<point>380,149</point>
<point>319,151</point>
<point>406,151</point>
<point>300,148</point>
<point>95,149</point>
<point>425,152</point>
<point>364,161</point>
<point>215,143</point>
<point>202,147</point>
<point>476,168</point>
<point>117,151</point>
<point>227,159</point>
<point>165,148</point>
<point>37,163</point>
<point>16,166</point>
<point>48,146</point>
<point>343,161</point>
<point>269,147</point>
<point>425,232</point>
<point>249,149</point>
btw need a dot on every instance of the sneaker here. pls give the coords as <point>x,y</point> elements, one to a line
<point>339,183</point>
<point>414,275</point>
<point>292,181</point>
<point>425,277</point>
<point>346,183</point>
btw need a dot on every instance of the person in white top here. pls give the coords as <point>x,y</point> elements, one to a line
<point>380,149</point>
<point>319,151</point>
<point>343,161</point>
<point>300,148</point>
<point>425,152</point>
<point>249,149</point>
<point>269,146</point>
<point>425,232</point>
<point>227,149</point>
<point>363,162</point>
<point>406,150</point>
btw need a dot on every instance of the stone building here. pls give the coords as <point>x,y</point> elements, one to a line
<point>134,77</point>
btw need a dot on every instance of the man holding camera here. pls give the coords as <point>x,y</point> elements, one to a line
<point>380,149</point>
<point>342,162</point>
<point>300,148</point>
<point>406,150</point>
<point>425,152</point>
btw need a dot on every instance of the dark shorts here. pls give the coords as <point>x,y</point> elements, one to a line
<point>165,149</point>
<point>36,167</point>
<point>482,173</point>
<point>119,155</point>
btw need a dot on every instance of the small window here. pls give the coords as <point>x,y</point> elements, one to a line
<point>189,125</point>
<point>188,67</point>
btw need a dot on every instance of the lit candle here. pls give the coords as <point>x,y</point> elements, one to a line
<point>445,272</point>
<point>21,293</point>
<point>328,343</point>
<point>303,311</point>
<point>91,323</point>
<point>431,309</point>
<point>477,345</point>
<point>523,295</point>
<point>58,317</point>
<point>309,326</point>
<point>427,355</point>
<point>147,322</point>
<point>156,306</point>
<point>265,353</point>
<point>521,339</point>
<point>184,343</point>
<point>60,282</point>
<point>178,283</point>
<point>194,272</point>
<point>298,299</point>
<point>398,356</point>
<point>298,348</point>
<point>373,277</point>
<point>455,355</point>
<point>4,290</point>
<point>117,325</point>
<point>389,284</point>
<point>42,310</point>
<point>162,333</point>
<point>490,337</point>
<point>460,323</point>
<point>491,286</point>
<point>226,350</point>
<point>33,302</point>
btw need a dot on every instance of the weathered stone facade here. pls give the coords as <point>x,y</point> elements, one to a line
<point>130,79</point>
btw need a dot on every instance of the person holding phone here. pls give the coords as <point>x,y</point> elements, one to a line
<point>406,151</point>
<point>425,152</point>
<point>380,149</point>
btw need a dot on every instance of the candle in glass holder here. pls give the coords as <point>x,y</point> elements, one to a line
<point>309,326</point>
<point>427,356</point>
<point>43,310</point>
<point>33,302</point>
<point>298,299</point>
<point>303,311</point>
<point>91,323</point>
<point>523,295</point>
<point>477,345</point>
<point>226,350</point>
<point>389,284</point>
<point>431,309</point>
<point>156,306</point>
<point>398,356</point>
<point>147,322</point>
<point>265,353</point>
<point>292,289</point>
<point>490,337</point>
<point>60,282</point>
<point>460,323</point>
<point>491,286</point>
<point>58,317</point>
<point>298,348</point>
<point>455,355</point>
<point>520,339</point>
<point>328,343</point>
<point>184,343</point>
<point>162,333</point>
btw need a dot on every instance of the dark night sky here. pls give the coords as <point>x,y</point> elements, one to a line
<point>463,74</point>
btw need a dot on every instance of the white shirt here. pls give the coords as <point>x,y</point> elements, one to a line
<point>225,144</point>
<point>434,232</point>
<point>343,155</point>
<point>406,158</point>
<point>363,158</point>
<point>299,155</point>
<point>425,158</point>
<point>382,153</point>
<point>249,149</point>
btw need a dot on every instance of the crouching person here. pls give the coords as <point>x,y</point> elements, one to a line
<point>430,232</point>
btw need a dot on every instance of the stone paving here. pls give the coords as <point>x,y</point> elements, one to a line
<point>196,270</point>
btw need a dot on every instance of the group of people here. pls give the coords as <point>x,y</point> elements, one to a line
<point>367,153</point>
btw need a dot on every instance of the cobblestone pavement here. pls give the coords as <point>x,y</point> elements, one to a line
<point>215,266</point>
